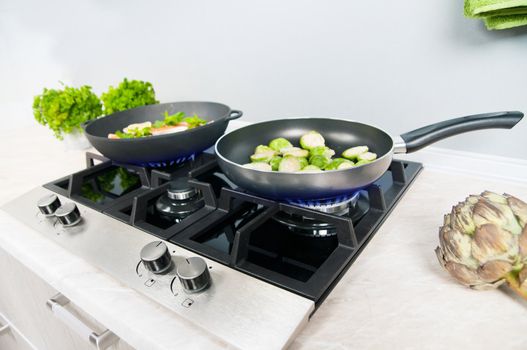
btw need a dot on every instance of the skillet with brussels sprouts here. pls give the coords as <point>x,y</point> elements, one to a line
<point>311,157</point>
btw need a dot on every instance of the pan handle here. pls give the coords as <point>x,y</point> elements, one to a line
<point>415,140</point>
<point>234,114</point>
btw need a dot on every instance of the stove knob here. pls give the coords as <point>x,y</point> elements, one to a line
<point>193,274</point>
<point>156,257</point>
<point>68,214</point>
<point>48,204</point>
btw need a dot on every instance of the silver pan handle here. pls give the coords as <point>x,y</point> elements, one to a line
<point>99,341</point>
<point>415,140</point>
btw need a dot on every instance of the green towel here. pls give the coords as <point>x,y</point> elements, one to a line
<point>505,22</point>
<point>498,14</point>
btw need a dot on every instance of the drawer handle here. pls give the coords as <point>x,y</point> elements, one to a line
<point>100,341</point>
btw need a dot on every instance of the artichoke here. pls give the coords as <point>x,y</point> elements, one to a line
<point>483,242</point>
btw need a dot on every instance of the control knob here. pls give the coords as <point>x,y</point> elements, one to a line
<point>156,257</point>
<point>193,274</point>
<point>48,204</point>
<point>68,214</point>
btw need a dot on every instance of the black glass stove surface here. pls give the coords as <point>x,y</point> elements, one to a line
<point>109,185</point>
<point>194,205</point>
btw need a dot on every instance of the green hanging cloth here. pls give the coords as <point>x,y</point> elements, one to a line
<point>498,14</point>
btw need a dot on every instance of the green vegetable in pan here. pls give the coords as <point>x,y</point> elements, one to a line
<point>353,152</point>
<point>264,149</point>
<point>314,156</point>
<point>279,143</point>
<point>262,157</point>
<point>176,122</point>
<point>322,151</point>
<point>311,140</point>
<point>335,163</point>
<point>368,156</point>
<point>295,152</point>
<point>275,162</point>
<point>290,164</point>
<point>319,161</point>
<point>303,162</point>
<point>311,169</point>
<point>362,162</point>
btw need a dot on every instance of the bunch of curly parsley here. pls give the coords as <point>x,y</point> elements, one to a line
<point>129,94</point>
<point>63,111</point>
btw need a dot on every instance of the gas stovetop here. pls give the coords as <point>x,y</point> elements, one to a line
<point>229,261</point>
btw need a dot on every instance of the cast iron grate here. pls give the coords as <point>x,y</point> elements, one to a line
<point>258,247</point>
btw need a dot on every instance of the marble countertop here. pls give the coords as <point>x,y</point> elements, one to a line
<point>394,296</point>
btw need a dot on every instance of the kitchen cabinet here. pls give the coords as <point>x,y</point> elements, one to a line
<point>10,338</point>
<point>23,297</point>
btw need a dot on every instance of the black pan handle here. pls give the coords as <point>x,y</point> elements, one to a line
<point>234,114</point>
<point>422,137</point>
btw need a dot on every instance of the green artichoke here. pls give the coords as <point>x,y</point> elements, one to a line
<point>483,242</point>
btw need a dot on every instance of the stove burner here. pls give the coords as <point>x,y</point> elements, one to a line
<point>179,201</point>
<point>180,190</point>
<point>169,163</point>
<point>305,226</point>
<point>335,208</point>
<point>322,202</point>
<point>354,208</point>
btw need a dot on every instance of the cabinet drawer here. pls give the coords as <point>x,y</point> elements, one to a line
<point>23,298</point>
<point>10,339</point>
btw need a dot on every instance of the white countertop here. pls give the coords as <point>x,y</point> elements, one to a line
<point>394,296</point>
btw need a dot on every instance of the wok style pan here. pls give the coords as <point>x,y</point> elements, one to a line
<point>233,150</point>
<point>162,150</point>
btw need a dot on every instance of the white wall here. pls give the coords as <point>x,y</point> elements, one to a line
<point>397,64</point>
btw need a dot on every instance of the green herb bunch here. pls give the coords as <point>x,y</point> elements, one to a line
<point>129,94</point>
<point>65,110</point>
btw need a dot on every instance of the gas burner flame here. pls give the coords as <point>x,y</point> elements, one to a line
<point>337,206</point>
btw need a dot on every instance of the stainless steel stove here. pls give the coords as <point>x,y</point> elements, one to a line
<point>226,260</point>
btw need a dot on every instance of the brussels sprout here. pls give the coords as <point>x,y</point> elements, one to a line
<point>322,151</point>
<point>319,161</point>
<point>353,152</point>
<point>369,156</point>
<point>303,162</point>
<point>362,162</point>
<point>345,165</point>
<point>275,162</point>
<point>294,151</point>
<point>258,166</point>
<point>311,169</point>
<point>279,143</point>
<point>334,164</point>
<point>264,149</point>
<point>262,157</point>
<point>311,140</point>
<point>290,164</point>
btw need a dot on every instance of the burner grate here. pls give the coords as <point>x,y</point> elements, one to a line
<point>306,264</point>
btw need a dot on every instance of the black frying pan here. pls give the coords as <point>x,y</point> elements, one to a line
<point>234,149</point>
<point>160,150</point>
